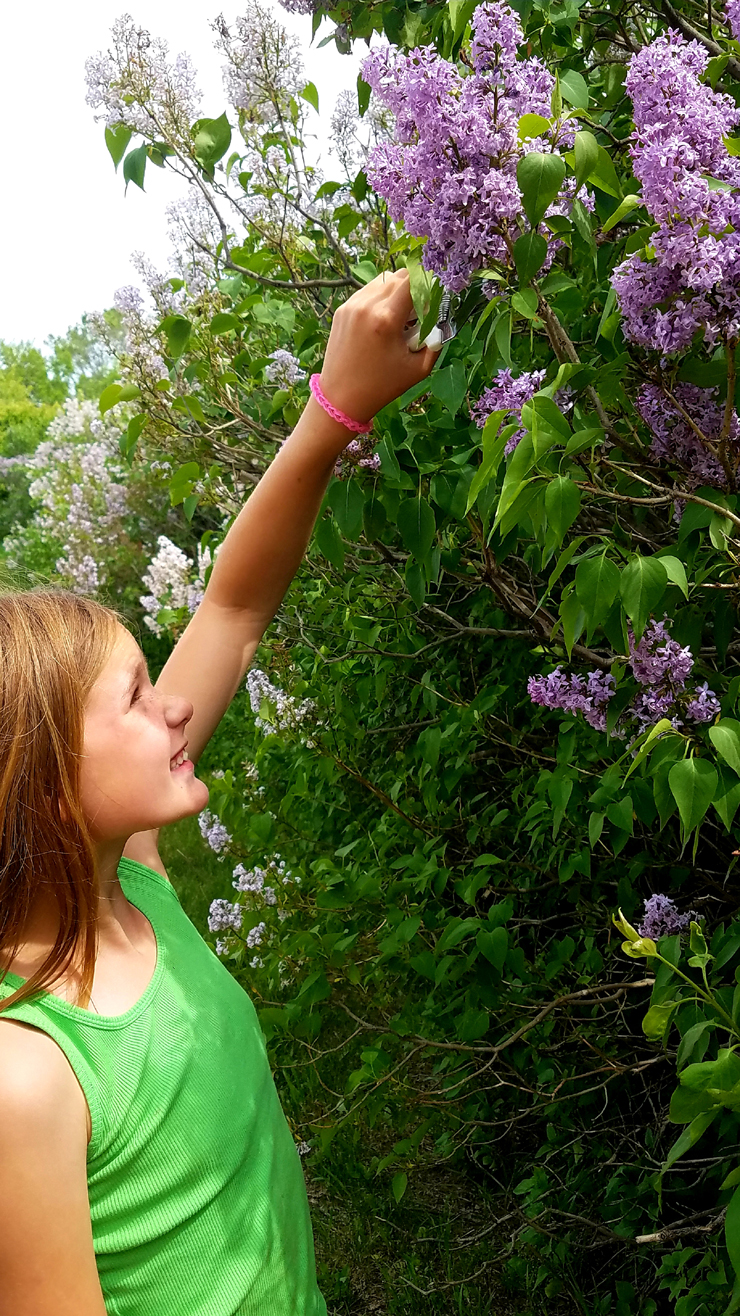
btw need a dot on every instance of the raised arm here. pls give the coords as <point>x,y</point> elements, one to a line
<point>368,363</point>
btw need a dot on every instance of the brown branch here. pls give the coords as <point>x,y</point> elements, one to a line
<point>678,21</point>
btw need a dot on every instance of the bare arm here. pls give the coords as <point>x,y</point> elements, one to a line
<point>47,1262</point>
<point>368,364</point>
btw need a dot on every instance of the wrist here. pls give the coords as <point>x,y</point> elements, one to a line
<point>358,428</point>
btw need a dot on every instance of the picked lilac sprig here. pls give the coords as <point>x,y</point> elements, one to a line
<point>661,918</point>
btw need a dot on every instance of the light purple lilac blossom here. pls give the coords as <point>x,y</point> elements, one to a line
<point>589,695</point>
<point>255,935</point>
<point>134,83</point>
<point>285,714</point>
<point>660,666</point>
<point>662,919</point>
<point>358,455</point>
<point>677,442</point>
<point>223,915</point>
<point>214,833</point>
<point>450,176</point>
<point>172,582</point>
<point>510,394</point>
<point>732,11</point>
<point>688,281</point>
<point>79,485</point>
<point>284,369</point>
<point>301,6</point>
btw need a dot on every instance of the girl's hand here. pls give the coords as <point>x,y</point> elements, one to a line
<point>368,362</point>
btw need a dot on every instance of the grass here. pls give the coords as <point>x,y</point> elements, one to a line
<point>433,1253</point>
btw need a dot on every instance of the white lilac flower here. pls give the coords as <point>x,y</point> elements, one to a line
<point>285,714</point>
<point>255,935</point>
<point>222,915</point>
<point>213,832</point>
<point>303,1148</point>
<point>284,369</point>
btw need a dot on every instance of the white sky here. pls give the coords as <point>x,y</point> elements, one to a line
<point>66,229</point>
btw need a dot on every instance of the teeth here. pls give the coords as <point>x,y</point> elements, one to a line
<point>180,758</point>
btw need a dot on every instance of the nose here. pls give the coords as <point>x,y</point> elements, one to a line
<point>178,710</point>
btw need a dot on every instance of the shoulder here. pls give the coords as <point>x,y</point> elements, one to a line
<point>143,849</point>
<point>38,1087</point>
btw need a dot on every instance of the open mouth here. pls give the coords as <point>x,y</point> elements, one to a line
<point>180,760</point>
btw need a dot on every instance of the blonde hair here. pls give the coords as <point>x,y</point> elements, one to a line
<point>53,645</point>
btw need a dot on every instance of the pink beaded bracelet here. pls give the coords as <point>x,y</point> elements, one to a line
<point>356,426</point>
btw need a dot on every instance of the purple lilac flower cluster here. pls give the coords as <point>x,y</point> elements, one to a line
<point>732,13</point>
<point>662,919</point>
<point>301,6</point>
<point>675,440</point>
<point>508,393</point>
<point>589,695</point>
<point>359,454</point>
<point>451,173</point>
<point>662,668</point>
<point>214,833</point>
<point>251,882</point>
<point>691,281</point>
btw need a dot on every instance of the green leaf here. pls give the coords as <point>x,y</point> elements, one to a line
<point>540,178</point>
<point>178,329</point>
<point>586,156</point>
<point>725,737</point>
<point>597,583</point>
<point>693,784</point>
<point>574,88</point>
<point>525,303</point>
<point>473,1024</point>
<point>134,167</point>
<point>422,284</point>
<point>329,541</point>
<point>398,1186</point>
<point>494,946</point>
<point>532,125</point>
<point>727,799</point>
<point>529,255</point>
<point>642,586</point>
<point>211,140</point>
<point>691,1134</point>
<point>630,203</point>
<point>311,95</point>
<point>493,451</point>
<point>604,175</point>
<point>224,322</point>
<point>676,573</point>
<point>415,520</point>
<point>364,92</point>
<point>347,500</point>
<point>657,1019</point>
<point>365,271</point>
<point>450,385</point>
<point>562,505</point>
<point>117,139</point>
<point>189,505</point>
<point>415,581</point>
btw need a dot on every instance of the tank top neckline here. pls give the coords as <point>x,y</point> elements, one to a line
<point>144,877</point>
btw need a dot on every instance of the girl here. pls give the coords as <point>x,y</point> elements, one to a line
<point>146,1168</point>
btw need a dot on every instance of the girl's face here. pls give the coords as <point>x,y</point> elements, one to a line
<point>133,735</point>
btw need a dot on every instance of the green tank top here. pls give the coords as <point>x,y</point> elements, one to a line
<point>196,1190</point>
